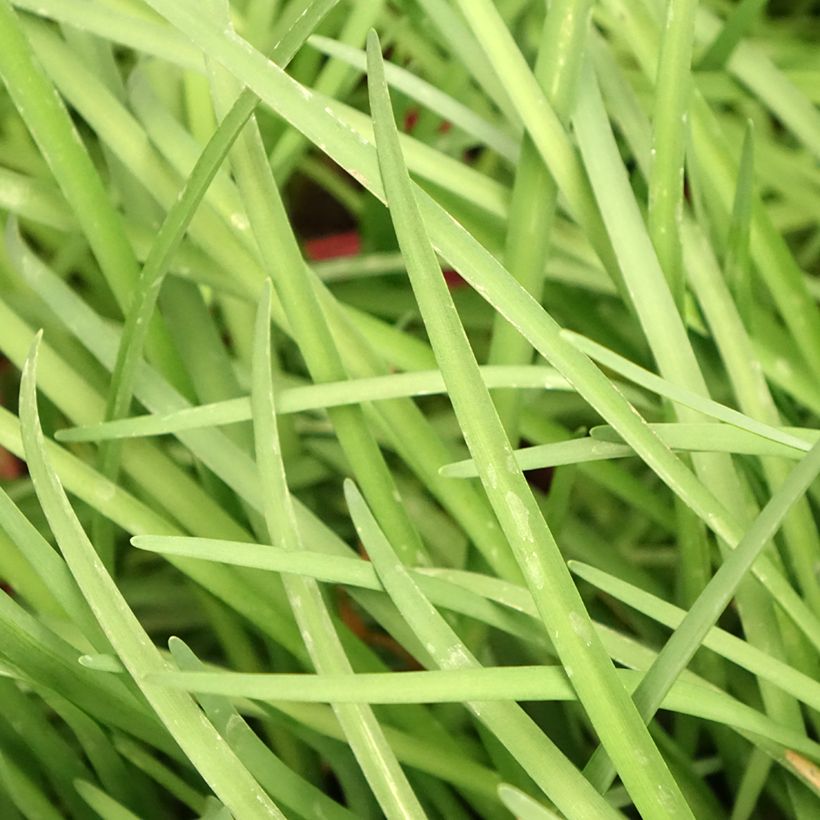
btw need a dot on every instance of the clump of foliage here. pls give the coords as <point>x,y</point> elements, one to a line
<point>496,501</point>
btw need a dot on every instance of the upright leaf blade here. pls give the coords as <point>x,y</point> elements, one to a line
<point>187,725</point>
<point>566,620</point>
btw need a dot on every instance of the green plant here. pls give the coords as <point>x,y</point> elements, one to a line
<point>248,570</point>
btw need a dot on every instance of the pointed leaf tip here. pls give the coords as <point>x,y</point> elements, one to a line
<point>373,43</point>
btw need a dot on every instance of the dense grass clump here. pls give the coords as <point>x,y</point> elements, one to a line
<point>411,409</point>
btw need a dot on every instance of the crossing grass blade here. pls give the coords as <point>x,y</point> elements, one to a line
<point>474,685</point>
<point>711,603</point>
<point>445,594</point>
<point>120,26</point>
<point>737,23</point>
<point>674,392</point>
<point>450,109</point>
<point>603,443</point>
<point>316,397</point>
<point>286,266</point>
<point>350,572</point>
<point>279,780</point>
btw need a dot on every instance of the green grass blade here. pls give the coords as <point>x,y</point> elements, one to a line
<point>675,393</point>
<point>729,646</point>
<point>316,397</point>
<point>119,26</point>
<point>604,443</point>
<point>754,780</point>
<point>672,88</point>
<point>160,773</point>
<point>51,569</point>
<point>483,686</point>
<point>554,774</point>
<point>54,756</point>
<point>196,737</point>
<point>24,792</point>
<point>383,772</point>
<point>530,539</point>
<point>428,95</point>
<point>535,192</point>
<point>280,780</point>
<point>710,604</point>
<point>284,262</point>
<point>543,124</point>
<point>522,805</point>
<point>757,72</point>
<point>574,451</point>
<point>112,773</point>
<point>331,569</point>
<point>171,233</point>
<point>147,289</point>
<point>440,686</point>
<point>770,253</point>
<point>741,18</point>
<point>32,199</point>
<point>716,437</point>
<point>737,263</point>
<point>51,126</point>
<point>333,80</point>
<point>648,288</point>
<point>102,803</point>
<point>455,32</point>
